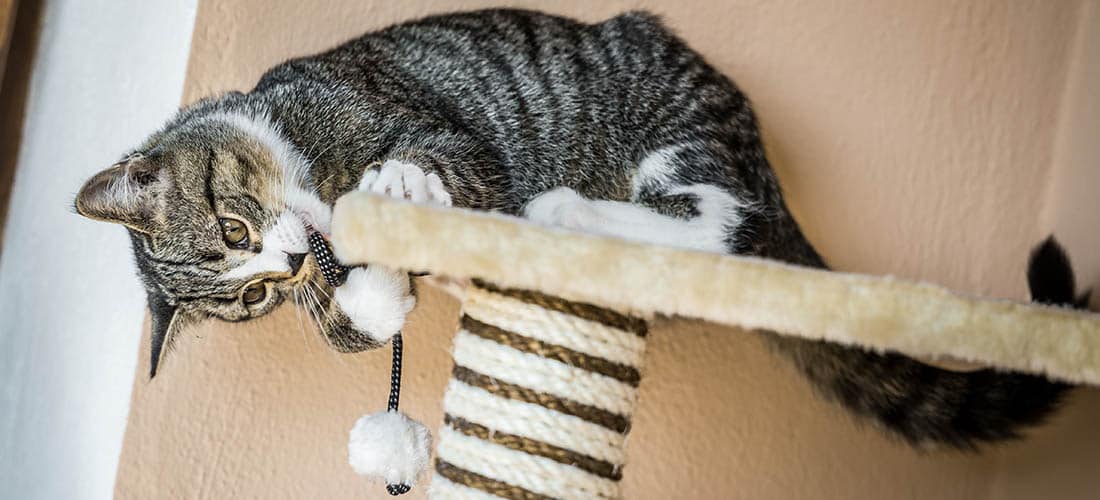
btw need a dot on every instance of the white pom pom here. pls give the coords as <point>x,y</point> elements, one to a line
<point>389,446</point>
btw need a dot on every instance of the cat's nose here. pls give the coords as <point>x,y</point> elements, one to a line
<point>295,260</point>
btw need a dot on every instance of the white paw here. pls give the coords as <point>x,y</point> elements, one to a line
<point>376,299</point>
<point>399,179</point>
<point>562,207</point>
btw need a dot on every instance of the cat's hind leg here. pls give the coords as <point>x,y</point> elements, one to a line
<point>694,216</point>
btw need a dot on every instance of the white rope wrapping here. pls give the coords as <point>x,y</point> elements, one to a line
<point>555,327</point>
<point>442,488</point>
<point>533,421</point>
<point>545,375</point>
<point>530,472</point>
<point>540,401</point>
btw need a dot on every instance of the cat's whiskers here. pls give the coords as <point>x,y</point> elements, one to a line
<point>316,312</point>
<point>301,324</point>
<point>327,149</point>
<point>323,292</point>
<point>314,306</point>
<point>305,300</point>
<point>312,147</point>
<point>342,341</point>
<point>326,179</point>
<point>307,154</point>
<point>321,316</point>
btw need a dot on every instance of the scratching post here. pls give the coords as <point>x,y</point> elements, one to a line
<point>540,398</point>
<point>543,389</point>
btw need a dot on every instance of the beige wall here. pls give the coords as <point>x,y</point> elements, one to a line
<point>923,139</point>
<point>1072,206</point>
<point>1064,458</point>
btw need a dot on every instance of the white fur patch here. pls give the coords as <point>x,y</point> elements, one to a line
<point>719,212</point>
<point>294,166</point>
<point>376,299</point>
<point>656,168</point>
<point>309,208</point>
<point>564,208</point>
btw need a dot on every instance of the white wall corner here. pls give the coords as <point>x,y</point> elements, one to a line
<point>106,74</point>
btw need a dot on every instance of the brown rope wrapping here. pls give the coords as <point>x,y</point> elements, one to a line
<point>615,422</point>
<point>474,480</point>
<point>581,310</point>
<point>532,447</point>
<point>623,373</point>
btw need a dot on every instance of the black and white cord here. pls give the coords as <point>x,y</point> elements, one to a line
<point>336,274</point>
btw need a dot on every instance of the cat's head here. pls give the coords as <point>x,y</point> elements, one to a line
<point>217,205</point>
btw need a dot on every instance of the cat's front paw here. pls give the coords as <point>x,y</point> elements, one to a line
<point>405,180</point>
<point>376,299</point>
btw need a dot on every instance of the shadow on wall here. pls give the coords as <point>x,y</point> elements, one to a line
<point>16,71</point>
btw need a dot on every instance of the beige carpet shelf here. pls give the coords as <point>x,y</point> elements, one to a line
<point>918,319</point>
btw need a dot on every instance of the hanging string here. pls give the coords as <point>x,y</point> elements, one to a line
<point>395,398</point>
<point>395,373</point>
<point>336,274</point>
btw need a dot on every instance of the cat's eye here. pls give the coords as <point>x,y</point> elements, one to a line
<point>234,232</point>
<point>254,293</point>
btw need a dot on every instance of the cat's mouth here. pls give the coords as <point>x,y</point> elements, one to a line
<point>308,269</point>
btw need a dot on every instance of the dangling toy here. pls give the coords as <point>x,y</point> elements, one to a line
<point>387,445</point>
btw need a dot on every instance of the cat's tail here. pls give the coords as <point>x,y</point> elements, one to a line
<point>1050,277</point>
<point>931,407</point>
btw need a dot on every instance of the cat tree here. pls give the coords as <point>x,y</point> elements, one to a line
<point>552,338</point>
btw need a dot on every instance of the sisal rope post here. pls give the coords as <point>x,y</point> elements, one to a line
<point>540,398</point>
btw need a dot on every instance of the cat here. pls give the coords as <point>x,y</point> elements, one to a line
<point>616,127</point>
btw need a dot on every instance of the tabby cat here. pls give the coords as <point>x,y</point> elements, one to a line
<point>615,127</point>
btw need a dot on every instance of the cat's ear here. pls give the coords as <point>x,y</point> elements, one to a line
<point>121,193</point>
<point>168,321</point>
